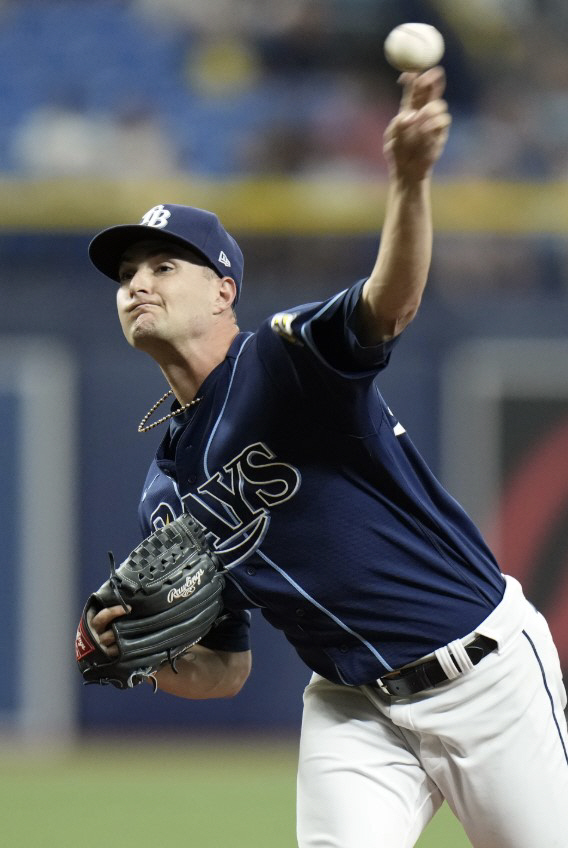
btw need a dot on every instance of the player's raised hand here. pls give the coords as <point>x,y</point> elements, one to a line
<point>415,138</point>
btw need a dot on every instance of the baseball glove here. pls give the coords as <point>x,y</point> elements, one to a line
<point>172,583</point>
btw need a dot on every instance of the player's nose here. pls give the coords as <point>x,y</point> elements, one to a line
<point>141,280</point>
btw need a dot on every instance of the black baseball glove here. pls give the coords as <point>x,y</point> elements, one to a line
<point>172,583</point>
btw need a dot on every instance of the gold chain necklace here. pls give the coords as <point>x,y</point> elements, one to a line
<point>142,428</point>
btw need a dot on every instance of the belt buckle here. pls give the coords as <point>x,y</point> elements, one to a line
<point>418,669</point>
<point>382,687</point>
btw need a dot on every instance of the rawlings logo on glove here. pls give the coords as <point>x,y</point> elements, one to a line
<point>187,589</point>
<point>172,585</point>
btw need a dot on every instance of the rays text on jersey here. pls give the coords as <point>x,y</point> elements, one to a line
<point>234,504</point>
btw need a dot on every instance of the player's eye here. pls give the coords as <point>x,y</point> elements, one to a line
<point>125,275</point>
<point>164,266</point>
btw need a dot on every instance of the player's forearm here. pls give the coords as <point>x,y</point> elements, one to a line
<point>392,294</point>
<point>203,673</point>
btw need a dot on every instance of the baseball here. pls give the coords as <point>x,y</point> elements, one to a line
<point>414,47</point>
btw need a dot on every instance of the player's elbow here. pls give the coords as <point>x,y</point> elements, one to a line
<point>381,316</point>
<point>388,328</point>
<point>238,671</point>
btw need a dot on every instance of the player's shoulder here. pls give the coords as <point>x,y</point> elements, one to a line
<point>285,324</point>
<point>292,324</point>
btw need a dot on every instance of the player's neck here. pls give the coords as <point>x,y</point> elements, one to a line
<point>186,369</point>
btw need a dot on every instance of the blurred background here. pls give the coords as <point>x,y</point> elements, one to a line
<point>272,115</point>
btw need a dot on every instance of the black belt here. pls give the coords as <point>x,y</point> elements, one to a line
<point>426,675</point>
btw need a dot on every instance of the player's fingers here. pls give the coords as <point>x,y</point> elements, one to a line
<point>413,147</point>
<point>436,124</point>
<point>406,80</point>
<point>107,638</point>
<point>420,89</point>
<point>428,86</point>
<point>110,648</point>
<point>431,113</point>
<point>409,127</point>
<point>102,620</point>
<point>421,136</point>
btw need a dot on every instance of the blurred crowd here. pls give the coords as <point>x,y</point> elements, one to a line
<point>215,88</point>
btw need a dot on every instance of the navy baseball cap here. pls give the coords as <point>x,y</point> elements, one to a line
<point>187,226</point>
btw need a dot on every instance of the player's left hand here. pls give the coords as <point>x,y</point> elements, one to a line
<point>415,138</point>
<point>160,601</point>
<point>100,625</point>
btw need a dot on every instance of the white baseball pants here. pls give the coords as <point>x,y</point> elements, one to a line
<point>492,742</point>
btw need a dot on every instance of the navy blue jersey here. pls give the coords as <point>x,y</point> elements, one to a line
<point>323,511</point>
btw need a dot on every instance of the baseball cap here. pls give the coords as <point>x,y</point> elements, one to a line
<point>187,226</point>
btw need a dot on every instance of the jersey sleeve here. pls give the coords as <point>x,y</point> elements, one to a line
<point>231,634</point>
<point>327,329</point>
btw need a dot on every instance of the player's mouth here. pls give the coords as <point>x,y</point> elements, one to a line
<point>140,306</point>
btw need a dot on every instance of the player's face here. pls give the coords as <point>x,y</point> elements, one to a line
<point>166,295</point>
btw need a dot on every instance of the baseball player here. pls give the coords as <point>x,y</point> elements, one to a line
<point>433,677</point>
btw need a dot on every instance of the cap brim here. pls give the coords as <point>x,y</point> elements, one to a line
<point>107,249</point>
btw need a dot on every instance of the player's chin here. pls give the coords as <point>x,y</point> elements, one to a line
<point>142,334</point>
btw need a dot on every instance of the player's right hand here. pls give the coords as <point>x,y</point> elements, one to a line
<point>100,625</point>
<point>415,138</point>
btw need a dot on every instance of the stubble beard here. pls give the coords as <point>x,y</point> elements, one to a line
<point>144,332</point>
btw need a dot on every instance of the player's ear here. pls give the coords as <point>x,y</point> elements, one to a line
<point>227,292</point>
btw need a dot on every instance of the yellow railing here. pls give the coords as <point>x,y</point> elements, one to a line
<point>281,205</point>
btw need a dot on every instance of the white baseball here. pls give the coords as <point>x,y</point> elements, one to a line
<point>414,47</point>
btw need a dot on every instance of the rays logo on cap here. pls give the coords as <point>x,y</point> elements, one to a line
<point>156,217</point>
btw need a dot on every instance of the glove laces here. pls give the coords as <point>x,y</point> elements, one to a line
<point>113,581</point>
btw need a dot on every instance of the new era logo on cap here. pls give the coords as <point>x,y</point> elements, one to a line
<point>189,226</point>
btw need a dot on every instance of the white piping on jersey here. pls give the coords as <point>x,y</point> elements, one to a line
<point>341,677</point>
<point>174,486</point>
<point>324,309</point>
<point>218,421</point>
<point>147,489</point>
<point>176,490</point>
<point>241,590</point>
<point>327,612</point>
